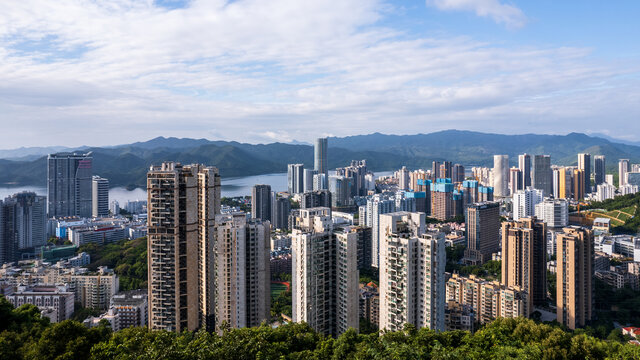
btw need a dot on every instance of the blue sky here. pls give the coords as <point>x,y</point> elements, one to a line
<point>82,72</point>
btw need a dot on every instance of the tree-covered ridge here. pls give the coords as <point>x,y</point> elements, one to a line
<point>626,202</point>
<point>128,258</point>
<point>24,335</point>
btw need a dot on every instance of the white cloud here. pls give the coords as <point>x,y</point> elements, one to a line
<point>251,70</point>
<point>501,13</point>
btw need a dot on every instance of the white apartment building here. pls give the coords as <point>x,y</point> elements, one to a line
<point>242,271</point>
<point>412,264</point>
<point>554,212</point>
<point>325,276</point>
<point>525,201</point>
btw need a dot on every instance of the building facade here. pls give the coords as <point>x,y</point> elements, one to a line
<point>69,184</point>
<point>182,202</point>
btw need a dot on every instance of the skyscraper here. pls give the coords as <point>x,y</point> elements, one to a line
<point>377,206</point>
<point>295,178</point>
<point>22,224</point>
<point>242,272</point>
<point>412,264</point>
<point>308,179</point>
<point>261,202</point>
<point>435,170</point>
<point>524,258</point>
<point>442,200</point>
<point>541,174</point>
<point>623,170</point>
<point>524,203</point>
<point>524,164</point>
<point>554,212</point>
<point>320,162</point>
<point>515,180</point>
<point>483,227</point>
<point>69,185</point>
<point>578,184</point>
<point>501,175</point>
<point>182,202</point>
<point>280,214</point>
<point>575,257</point>
<point>584,164</point>
<point>325,274</point>
<point>600,169</point>
<point>457,175</point>
<point>340,188</point>
<point>100,197</point>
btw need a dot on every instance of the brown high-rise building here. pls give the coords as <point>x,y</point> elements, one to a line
<point>575,256</point>
<point>578,184</point>
<point>524,258</point>
<point>182,204</point>
<point>483,226</point>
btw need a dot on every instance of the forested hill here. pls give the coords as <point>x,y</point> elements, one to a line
<point>126,165</point>
<point>24,335</point>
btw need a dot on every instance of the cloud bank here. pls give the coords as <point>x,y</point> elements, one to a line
<point>76,72</point>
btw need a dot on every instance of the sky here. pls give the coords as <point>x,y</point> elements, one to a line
<point>79,72</point>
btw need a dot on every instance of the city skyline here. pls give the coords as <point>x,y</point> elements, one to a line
<point>287,69</point>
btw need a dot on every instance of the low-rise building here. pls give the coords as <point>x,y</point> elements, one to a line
<point>54,301</point>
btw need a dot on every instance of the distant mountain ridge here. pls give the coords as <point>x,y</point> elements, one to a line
<point>126,165</point>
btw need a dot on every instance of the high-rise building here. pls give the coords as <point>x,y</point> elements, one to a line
<point>469,192</point>
<point>295,178</point>
<point>554,212</point>
<point>524,258</point>
<point>312,199</point>
<point>23,223</point>
<point>485,193</point>
<point>403,178</point>
<point>69,185</point>
<point>501,175</point>
<point>515,180</point>
<point>280,214</point>
<point>524,164</point>
<point>446,170</point>
<point>524,203</point>
<point>377,206</point>
<point>541,173</point>
<point>320,160</point>
<point>483,232</point>
<point>435,170</point>
<point>100,197</point>
<point>319,182</point>
<point>242,271</point>
<point>412,264</point>
<point>575,271</point>
<point>584,164</point>
<point>599,169</point>
<point>623,170</point>
<point>578,184</point>
<point>357,172</point>
<point>565,183</point>
<point>442,200</point>
<point>308,179</point>
<point>340,188</point>
<point>457,175</point>
<point>182,202</point>
<point>261,202</point>
<point>325,274</point>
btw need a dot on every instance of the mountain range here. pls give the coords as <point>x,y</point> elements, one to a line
<point>126,165</point>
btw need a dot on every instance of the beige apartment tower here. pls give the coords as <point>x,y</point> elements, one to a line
<point>242,272</point>
<point>182,201</point>
<point>524,258</point>
<point>575,256</point>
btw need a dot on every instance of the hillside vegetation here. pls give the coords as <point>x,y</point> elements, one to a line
<point>623,210</point>
<point>128,258</point>
<point>24,335</point>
